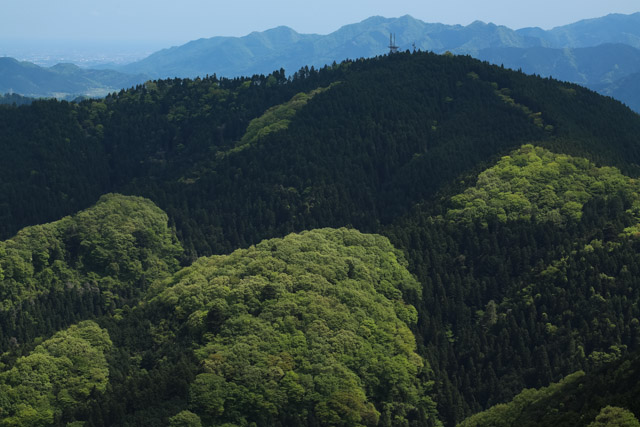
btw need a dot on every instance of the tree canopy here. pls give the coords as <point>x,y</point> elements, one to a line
<point>311,328</point>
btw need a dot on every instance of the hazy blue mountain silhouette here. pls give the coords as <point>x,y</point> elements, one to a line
<point>589,66</point>
<point>282,47</point>
<point>626,89</point>
<point>613,28</point>
<point>62,80</point>
<point>601,53</point>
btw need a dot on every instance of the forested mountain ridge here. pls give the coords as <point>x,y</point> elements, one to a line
<point>392,121</point>
<point>215,307</point>
<point>597,53</point>
<point>525,255</point>
<point>310,329</point>
<point>530,276</point>
<point>92,263</point>
<point>575,401</point>
<point>603,48</point>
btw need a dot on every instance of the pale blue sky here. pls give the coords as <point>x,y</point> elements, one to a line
<point>175,22</point>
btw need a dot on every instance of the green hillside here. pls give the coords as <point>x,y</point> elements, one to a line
<point>607,397</point>
<point>527,277</point>
<point>82,266</point>
<point>61,374</point>
<point>307,329</point>
<point>513,200</point>
<point>310,329</point>
<point>351,155</point>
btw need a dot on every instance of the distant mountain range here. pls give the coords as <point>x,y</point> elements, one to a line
<point>260,53</point>
<point>602,54</point>
<point>587,66</point>
<point>626,90</point>
<point>64,81</point>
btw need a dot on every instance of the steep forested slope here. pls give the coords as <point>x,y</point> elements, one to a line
<point>63,373</point>
<point>527,259</point>
<point>528,276</point>
<point>82,266</point>
<point>606,397</point>
<point>307,329</point>
<point>311,329</point>
<point>352,155</point>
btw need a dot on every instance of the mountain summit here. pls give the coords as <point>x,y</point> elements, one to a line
<point>282,47</point>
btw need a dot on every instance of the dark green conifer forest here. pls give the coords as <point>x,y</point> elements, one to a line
<point>407,240</point>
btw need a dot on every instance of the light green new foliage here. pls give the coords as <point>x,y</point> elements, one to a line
<point>521,407</point>
<point>533,183</point>
<point>310,324</point>
<point>60,373</point>
<point>185,419</point>
<point>276,118</point>
<point>120,243</point>
<point>612,416</point>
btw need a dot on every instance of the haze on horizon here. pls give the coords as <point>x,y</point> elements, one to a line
<point>169,22</point>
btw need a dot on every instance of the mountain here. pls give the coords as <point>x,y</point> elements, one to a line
<point>497,247</point>
<point>626,89</point>
<point>574,401</point>
<point>590,52</point>
<point>170,146</point>
<point>263,52</point>
<point>260,53</point>
<point>61,81</point>
<point>593,67</point>
<point>558,52</point>
<point>104,258</point>
<point>613,28</point>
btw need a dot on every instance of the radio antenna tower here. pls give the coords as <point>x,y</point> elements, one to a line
<point>392,44</point>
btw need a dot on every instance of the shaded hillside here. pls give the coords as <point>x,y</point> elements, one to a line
<point>609,394</point>
<point>528,275</point>
<point>354,152</point>
<point>351,155</point>
<point>310,329</point>
<point>82,266</point>
<point>526,263</point>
